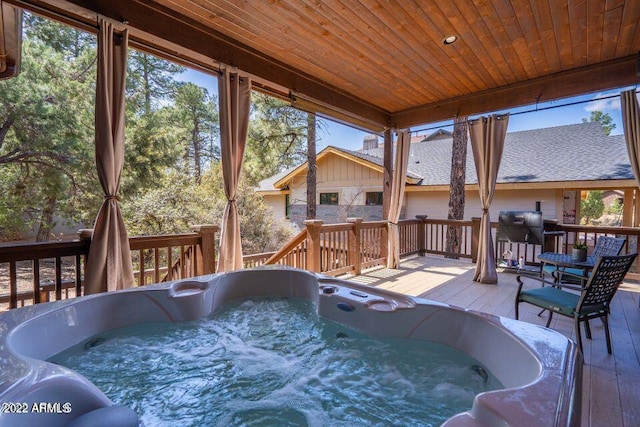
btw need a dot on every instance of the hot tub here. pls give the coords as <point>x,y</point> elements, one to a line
<point>539,368</point>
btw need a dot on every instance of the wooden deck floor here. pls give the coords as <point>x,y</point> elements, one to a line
<point>611,383</point>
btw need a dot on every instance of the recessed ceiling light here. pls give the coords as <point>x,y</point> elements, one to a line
<point>449,39</point>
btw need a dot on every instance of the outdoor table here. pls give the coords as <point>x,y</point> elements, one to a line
<point>563,261</point>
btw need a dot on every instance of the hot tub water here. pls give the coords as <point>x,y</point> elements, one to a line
<point>275,362</point>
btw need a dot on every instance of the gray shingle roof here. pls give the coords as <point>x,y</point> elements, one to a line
<point>267,183</point>
<point>579,152</point>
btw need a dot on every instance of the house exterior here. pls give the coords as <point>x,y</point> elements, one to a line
<point>543,169</point>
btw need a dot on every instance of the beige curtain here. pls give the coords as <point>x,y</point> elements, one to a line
<point>109,265</point>
<point>397,196</point>
<point>487,141</point>
<point>10,40</point>
<point>631,125</point>
<point>234,94</point>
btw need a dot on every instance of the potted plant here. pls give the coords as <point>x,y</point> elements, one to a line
<point>579,252</point>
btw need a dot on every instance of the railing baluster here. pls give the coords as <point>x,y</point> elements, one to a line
<point>36,280</point>
<point>182,263</point>
<point>169,264</point>
<point>58,264</point>
<point>156,266</point>
<point>13,285</point>
<point>141,274</point>
<point>78,265</point>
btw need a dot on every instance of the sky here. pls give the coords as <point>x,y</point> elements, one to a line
<point>522,118</point>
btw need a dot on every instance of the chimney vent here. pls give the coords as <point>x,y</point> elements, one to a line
<point>370,142</point>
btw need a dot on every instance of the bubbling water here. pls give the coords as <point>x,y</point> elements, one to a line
<point>274,362</point>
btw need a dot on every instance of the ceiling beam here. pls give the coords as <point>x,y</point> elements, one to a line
<point>579,81</point>
<point>165,24</point>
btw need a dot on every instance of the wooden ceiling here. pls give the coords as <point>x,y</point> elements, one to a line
<point>381,63</point>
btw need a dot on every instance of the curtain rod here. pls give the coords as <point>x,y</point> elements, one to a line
<point>527,111</point>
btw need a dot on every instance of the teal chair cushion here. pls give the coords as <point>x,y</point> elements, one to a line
<point>551,298</point>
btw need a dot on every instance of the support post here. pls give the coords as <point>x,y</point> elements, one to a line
<point>636,209</point>
<point>475,238</point>
<point>314,250</point>
<point>422,234</point>
<point>206,252</point>
<point>355,245</point>
<point>384,242</point>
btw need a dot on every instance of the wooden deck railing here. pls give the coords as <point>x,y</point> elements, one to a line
<point>39,272</point>
<point>336,249</point>
<point>53,267</point>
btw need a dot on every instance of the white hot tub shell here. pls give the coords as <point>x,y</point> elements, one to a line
<point>540,368</point>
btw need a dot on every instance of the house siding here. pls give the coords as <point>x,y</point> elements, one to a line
<point>350,180</point>
<point>276,203</point>
<point>435,204</point>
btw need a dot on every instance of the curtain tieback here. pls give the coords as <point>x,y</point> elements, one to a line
<point>485,210</point>
<point>112,197</point>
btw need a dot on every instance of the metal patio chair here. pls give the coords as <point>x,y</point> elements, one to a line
<point>592,302</point>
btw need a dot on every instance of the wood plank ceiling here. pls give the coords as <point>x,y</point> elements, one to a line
<point>383,62</point>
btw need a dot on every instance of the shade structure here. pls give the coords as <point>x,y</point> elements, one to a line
<point>10,40</point>
<point>487,142</point>
<point>631,125</point>
<point>401,162</point>
<point>109,265</point>
<point>234,92</point>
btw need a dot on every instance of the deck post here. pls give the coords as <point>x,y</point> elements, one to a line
<point>314,251</point>
<point>422,234</point>
<point>355,246</point>
<point>475,237</point>
<point>206,252</point>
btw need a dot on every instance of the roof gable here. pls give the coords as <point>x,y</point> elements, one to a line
<point>363,159</point>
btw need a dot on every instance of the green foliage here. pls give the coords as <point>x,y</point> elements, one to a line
<point>152,148</point>
<point>178,202</point>
<point>580,245</point>
<point>276,140</point>
<point>150,81</point>
<point>616,207</point>
<point>46,121</point>
<point>47,137</point>
<point>604,119</point>
<point>68,41</point>
<point>195,119</point>
<point>592,207</point>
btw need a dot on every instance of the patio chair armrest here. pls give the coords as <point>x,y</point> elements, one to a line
<point>521,283</point>
<point>569,286</point>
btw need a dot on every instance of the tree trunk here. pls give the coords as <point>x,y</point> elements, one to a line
<point>197,167</point>
<point>311,170</point>
<point>456,194</point>
<point>147,83</point>
<point>46,220</point>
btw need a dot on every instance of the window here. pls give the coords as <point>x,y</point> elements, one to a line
<point>328,198</point>
<point>287,207</point>
<point>374,199</point>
